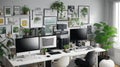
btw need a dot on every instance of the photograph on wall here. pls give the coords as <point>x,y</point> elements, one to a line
<point>83,13</point>
<point>16,10</point>
<point>8,11</point>
<point>50,20</point>
<point>37,20</point>
<point>48,29</point>
<point>12,20</point>
<point>2,29</point>
<point>63,15</point>
<point>71,9</point>
<point>24,22</point>
<point>15,29</point>
<point>50,12</point>
<point>1,21</point>
<point>1,12</point>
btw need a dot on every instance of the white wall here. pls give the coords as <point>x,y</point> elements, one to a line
<point>96,6</point>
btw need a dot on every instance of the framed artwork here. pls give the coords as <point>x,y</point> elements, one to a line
<point>15,29</point>
<point>3,29</point>
<point>8,11</point>
<point>63,15</point>
<point>84,13</point>
<point>37,20</point>
<point>48,29</point>
<point>50,12</point>
<point>24,22</point>
<point>12,20</point>
<point>1,12</point>
<point>71,9</point>
<point>50,20</point>
<point>2,21</point>
<point>16,10</point>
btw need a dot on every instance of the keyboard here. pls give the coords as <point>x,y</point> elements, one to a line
<point>52,53</point>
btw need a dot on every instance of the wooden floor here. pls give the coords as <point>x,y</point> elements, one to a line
<point>117,66</point>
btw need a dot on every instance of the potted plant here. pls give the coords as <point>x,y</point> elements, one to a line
<point>25,10</point>
<point>26,31</point>
<point>66,48</point>
<point>43,51</point>
<point>103,35</point>
<point>58,5</point>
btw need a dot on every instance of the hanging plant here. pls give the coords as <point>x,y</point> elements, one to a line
<point>58,5</point>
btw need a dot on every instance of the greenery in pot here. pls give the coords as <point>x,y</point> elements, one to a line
<point>66,47</point>
<point>25,9</point>
<point>104,34</point>
<point>26,31</point>
<point>58,5</point>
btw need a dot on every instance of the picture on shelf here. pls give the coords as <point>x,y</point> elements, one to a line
<point>50,20</point>
<point>63,15</point>
<point>1,21</point>
<point>48,29</point>
<point>83,13</point>
<point>25,23</point>
<point>16,10</point>
<point>2,29</point>
<point>50,12</point>
<point>71,9</point>
<point>15,29</point>
<point>37,20</point>
<point>8,11</point>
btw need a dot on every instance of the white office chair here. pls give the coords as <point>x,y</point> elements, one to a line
<point>62,62</point>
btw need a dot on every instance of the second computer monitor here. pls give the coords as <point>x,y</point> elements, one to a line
<point>48,41</point>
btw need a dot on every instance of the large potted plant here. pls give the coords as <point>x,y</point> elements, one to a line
<point>104,34</point>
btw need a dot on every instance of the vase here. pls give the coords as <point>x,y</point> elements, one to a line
<point>106,63</point>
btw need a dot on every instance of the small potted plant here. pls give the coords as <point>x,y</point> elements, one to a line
<point>25,10</point>
<point>43,51</point>
<point>58,5</point>
<point>26,31</point>
<point>66,48</point>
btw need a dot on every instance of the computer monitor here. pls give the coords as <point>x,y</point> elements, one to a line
<point>48,41</point>
<point>78,34</point>
<point>27,45</point>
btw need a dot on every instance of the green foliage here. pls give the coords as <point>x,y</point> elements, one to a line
<point>66,46</point>
<point>104,34</point>
<point>84,11</point>
<point>26,30</point>
<point>25,9</point>
<point>58,5</point>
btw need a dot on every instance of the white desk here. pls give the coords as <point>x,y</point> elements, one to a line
<point>41,58</point>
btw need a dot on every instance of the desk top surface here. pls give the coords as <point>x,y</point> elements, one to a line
<point>41,58</point>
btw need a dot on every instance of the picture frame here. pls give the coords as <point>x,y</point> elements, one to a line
<point>71,9</point>
<point>12,20</point>
<point>16,10</point>
<point>50,12</point>
<point>48,29</point>
<point>24,22</point>
<point>2,21</point>
<point>1,12</point>
<point>8,11</point>
<point>15,29</point>
<point>3,29</point>
<point>62,16</point>
<point>84,13</point>
<point>37,20</point>
<point>50,20</point>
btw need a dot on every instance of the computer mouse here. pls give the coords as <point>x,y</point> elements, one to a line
<point>48,56</point>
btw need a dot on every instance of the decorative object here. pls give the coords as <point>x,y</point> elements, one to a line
<point>71,9</point>
<point>3,30</point>
<point>50,20</point>
<point>106,63</point>
<point>84,13</point>
<point>16,10</point>
<point>66,48</point>
<point>1,21</point>
<point>25,10</point>
<point>50,12</point>
<point>9,20</point>
<point>58,5</point>
<point>43,51</point>
<point>25,22</point>
<point>15,29</point>
<point>26,32</point>
<point>63,15</point>
<point>8,11</point>
<point>49,30</point>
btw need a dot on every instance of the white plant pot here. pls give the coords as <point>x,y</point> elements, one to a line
<point>106,63</point>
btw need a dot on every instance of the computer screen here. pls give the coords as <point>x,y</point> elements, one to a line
<point>48,41</point>
<point>27,44</point>
<point>78,34</point>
